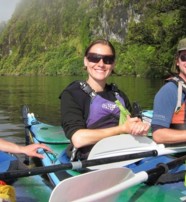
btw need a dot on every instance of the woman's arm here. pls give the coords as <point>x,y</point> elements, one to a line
<point>84,137</point>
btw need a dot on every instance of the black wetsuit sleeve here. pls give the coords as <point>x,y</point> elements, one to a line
<point>72,114</point>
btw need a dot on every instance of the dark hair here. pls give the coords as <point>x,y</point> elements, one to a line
<point>101,41</point>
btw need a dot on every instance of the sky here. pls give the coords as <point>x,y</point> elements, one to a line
<point>7,8</point>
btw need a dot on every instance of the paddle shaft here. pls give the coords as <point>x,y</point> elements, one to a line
<point>74,165</point>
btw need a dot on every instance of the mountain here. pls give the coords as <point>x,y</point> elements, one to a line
<point>47,37</point>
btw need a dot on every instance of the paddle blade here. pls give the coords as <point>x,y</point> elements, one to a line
<point>102,185</point>
<point>120,145</point>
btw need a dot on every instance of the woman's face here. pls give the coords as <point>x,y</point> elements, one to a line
<point>99,62</point>
<point>181,62</point>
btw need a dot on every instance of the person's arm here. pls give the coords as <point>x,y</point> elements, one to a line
<point>168,136</point>
<point>84,137</point>
<point>163,110</point>
<point>30,150</point>
<point>73,107</point>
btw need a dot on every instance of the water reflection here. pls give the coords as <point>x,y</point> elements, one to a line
<point>139,89</point>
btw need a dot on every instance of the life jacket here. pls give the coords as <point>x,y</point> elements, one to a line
<point>104,113</point>
<point>179,116</point>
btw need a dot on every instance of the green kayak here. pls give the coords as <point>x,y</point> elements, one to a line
<point>54,137</point>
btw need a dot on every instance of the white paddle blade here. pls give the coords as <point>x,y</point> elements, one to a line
<point>120,145</point>
<point>96,186</point>
<point>128,144</point>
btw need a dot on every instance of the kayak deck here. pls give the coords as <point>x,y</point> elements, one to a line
<point>50,134</point>
<point>174,192</point>
<point>32,189</point>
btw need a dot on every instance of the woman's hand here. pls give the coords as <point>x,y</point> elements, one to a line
<point>135,126</point>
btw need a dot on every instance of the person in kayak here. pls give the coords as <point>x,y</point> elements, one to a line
<point>29,150</point>
<point>92,110</point>
<point>169,114</point>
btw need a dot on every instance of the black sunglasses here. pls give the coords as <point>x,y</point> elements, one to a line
<point>183,58</point>
<point>95,58</point>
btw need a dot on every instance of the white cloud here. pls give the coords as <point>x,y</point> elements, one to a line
<point>7,8</point>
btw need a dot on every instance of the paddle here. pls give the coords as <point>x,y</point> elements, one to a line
<point>107,184</point>
<point>73,165</point>
<point>128,144</point>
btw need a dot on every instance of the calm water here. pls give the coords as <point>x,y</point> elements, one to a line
<point>41,95</point>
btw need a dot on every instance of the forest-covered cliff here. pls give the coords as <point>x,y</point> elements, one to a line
<point>48,37</point>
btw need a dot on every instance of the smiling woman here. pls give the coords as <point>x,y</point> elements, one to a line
<point>7,8</point>
<point>94,109</point>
